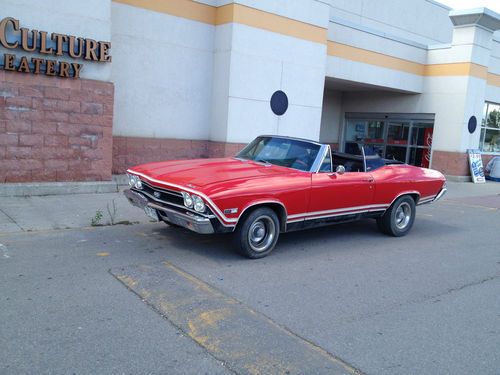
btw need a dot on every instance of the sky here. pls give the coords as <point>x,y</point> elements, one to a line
<point>494,5</point>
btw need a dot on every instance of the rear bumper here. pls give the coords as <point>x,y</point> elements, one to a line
<point>440,194</point>
<point>188,220</point>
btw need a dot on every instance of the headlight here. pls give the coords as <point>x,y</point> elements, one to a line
<point>199,205</point>
<point>188,200</point>
<point>138,183</point>
<point>131,180</point>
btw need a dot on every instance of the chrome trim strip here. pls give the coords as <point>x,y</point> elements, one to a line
<point>192,222</point>
<point>406,193</point>
<point>338,210</point>
<point>175,205</point>
<point>440,194</point>
<point>198,224</point>
<point>347,213</point>
<point>171,192</point>
<point>263,202</point>
<point>323,151</point>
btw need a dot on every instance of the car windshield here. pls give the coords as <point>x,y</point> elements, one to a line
<point>285,152</point>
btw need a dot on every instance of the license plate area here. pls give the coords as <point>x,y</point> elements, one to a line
<point>151,212</point>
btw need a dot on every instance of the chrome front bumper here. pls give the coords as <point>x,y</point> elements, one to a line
<point>187,220</point>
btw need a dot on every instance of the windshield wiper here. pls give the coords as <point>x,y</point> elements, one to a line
<point>260,160</point>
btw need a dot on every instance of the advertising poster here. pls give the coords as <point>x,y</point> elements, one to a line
<point>476,166</point>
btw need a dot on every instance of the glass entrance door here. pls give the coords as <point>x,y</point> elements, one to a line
<point>419,153</point>
<point>409,141</point>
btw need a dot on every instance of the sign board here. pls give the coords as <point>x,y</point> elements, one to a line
<point>50,48</point>
<point>476,166</point>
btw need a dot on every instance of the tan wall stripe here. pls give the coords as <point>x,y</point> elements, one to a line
<point>493,79</point>
<point>233,13</point>
<point>345,51</point>
<point>271,22</point>
<point>379,59</point>
<point>457,69</point>
<point>180,8</point>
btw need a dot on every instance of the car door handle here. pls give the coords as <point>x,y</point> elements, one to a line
<point>369,179</point>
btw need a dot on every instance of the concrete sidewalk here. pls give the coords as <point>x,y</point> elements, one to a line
<point>38,213</point>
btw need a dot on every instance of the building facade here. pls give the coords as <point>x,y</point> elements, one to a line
<point>111,84</point>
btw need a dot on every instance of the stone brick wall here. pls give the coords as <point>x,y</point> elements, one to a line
<point>454,163</point>
<point>54,129</point>
<point>130,151</point>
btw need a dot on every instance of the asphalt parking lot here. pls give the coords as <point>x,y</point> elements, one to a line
<point>148,298</point>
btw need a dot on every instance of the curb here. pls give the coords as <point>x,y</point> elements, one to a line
<point>24,189</point>
<point>56,188</point>
<point>458,178</point>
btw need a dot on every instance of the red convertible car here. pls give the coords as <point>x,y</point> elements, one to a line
<point>280,184</point>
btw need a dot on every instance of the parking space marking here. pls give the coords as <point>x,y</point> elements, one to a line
<point>247,341</point>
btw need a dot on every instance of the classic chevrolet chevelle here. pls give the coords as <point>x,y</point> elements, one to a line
<point>280,184</point>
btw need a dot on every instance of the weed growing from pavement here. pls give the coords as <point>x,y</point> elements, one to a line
<point>112,210</point>
<point>96,220</point>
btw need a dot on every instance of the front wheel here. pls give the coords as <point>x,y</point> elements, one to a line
<point>398,219</point>
<point>257,235</point>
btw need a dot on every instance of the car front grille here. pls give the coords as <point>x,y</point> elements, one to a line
<point>162,195</point>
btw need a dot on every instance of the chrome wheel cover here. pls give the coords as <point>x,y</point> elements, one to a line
<point>261,233</point>
<point>402,216</point>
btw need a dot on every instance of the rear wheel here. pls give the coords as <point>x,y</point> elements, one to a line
<point>256,236</point>
<point>398,219</point>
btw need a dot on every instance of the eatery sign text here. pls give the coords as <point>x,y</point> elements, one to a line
<point>13,37</point>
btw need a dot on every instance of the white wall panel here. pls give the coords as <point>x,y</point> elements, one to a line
<point>418,20</point>
<point>314,12</point>
<point>254,77</point>
<point>377,43</point>
<point>374,75</point>
<point>252,41</point>
<point>248,119</point>
<point>263,62</point>
<point>300,121</point>
<point>162,70</point>
<point>331,117</point>
<point>303,84</point>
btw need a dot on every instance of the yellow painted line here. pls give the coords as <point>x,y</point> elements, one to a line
<point>246,341</point>
<point>103,254</point>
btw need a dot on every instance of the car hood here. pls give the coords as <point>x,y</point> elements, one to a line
<point>202,173</point>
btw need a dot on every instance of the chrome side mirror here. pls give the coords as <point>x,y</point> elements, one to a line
<point>340,169</point>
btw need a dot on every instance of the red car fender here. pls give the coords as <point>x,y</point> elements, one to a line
<point>258,202</point>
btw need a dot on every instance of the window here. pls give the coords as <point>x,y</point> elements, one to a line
<point>490,128</point>
<point>286,152</point>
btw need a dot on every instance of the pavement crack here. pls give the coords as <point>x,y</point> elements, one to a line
<point>424,299</point>
<point>11,219</point>
<point>473,283</point>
